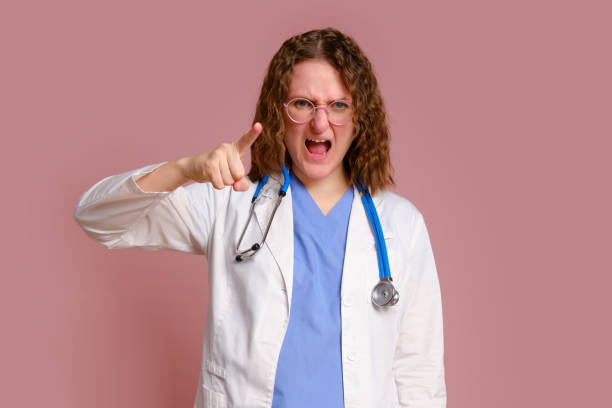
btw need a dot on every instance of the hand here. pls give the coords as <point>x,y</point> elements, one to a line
<point>223,166</point>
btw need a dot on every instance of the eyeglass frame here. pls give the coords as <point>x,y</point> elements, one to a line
<point>314,109</point>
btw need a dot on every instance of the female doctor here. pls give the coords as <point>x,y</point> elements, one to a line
<point>323,285</point>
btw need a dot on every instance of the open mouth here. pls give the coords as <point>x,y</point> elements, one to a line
<point>318,147</point>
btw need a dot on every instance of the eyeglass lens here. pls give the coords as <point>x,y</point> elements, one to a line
<point>302,110</point>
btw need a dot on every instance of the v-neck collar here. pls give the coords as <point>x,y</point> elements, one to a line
<point>301,190</point>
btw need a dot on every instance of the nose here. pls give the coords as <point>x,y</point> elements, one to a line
<point>320,122</point>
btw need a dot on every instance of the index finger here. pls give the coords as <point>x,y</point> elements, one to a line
<point>248,138</point>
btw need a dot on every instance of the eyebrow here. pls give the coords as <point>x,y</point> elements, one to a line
<point>342,98</point>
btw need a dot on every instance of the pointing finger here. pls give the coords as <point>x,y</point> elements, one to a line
<point>248,138</point>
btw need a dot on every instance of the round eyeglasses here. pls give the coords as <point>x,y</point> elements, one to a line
<point>302,110</point>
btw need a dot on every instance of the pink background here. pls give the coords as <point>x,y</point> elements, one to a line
<point>501,122</point>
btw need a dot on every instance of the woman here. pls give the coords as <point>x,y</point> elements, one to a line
<point>294,323</point>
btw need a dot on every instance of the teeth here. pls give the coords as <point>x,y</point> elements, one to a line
<point>318,140</point>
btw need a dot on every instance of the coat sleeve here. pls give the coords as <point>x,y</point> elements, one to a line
<point>117,213</point>
<point>419,356</point>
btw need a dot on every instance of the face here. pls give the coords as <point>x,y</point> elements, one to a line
<point>318,81</point>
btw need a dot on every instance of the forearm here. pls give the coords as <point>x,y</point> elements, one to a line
<point>166,177</point>
<point>117,213</point>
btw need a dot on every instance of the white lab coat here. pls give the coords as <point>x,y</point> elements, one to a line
<point>392,357</point>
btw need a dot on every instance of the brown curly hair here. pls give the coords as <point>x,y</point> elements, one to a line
<point>368,156</point>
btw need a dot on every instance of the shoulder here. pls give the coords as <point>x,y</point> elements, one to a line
<point>395,205</point>
<point>399,215</point>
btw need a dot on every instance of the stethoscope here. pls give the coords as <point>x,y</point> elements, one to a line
<point>383,293</point>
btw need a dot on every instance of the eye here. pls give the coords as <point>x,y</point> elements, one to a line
<point>302,103</point>
<point>338,105</point>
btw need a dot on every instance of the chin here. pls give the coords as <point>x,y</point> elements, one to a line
<point>314,171</point>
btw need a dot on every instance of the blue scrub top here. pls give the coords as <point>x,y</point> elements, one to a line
<point>309,371</point>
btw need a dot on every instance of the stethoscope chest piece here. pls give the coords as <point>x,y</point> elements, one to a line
<point>384,293</point>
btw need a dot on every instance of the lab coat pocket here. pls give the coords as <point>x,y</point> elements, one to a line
<point>213,399</point>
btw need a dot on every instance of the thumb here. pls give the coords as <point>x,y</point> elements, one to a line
<point>248,138</point>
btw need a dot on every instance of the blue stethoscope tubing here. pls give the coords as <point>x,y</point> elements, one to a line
<point>241,255</point>
<point>384,293</point>
<point>381,247</point>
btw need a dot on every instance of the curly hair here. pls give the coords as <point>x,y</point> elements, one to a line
<point>368,156</point>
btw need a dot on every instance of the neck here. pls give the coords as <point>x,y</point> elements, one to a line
<point>336,182</point>
<point>326,191</point>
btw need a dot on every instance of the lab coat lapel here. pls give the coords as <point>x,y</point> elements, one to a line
<point>280,236</point>
<point>360,243</point>
<point>359,235</point>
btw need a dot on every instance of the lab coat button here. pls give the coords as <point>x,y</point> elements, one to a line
<point>351,356</point>
<point>347,301</point>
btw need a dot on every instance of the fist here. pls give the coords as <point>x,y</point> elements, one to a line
<point>223,166</point>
